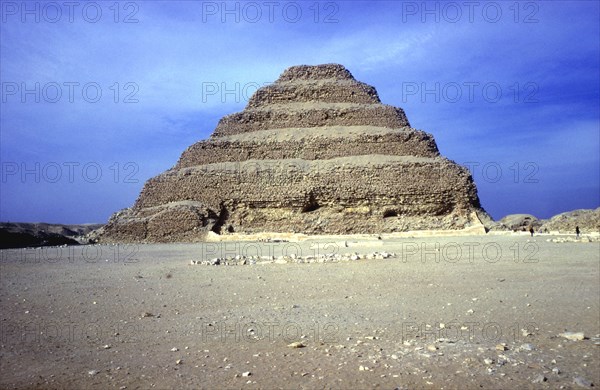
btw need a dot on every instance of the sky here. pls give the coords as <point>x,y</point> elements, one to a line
<point>98,97</point>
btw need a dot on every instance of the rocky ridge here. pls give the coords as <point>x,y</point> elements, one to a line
<point>24,234</point>
<point>588,221</point>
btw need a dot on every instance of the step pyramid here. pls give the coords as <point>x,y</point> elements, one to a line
<point>316,152</point>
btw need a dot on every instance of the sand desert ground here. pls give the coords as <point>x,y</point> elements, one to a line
<point>445,312</point>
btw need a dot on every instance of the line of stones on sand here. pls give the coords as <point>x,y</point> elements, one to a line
<point>573,239</point>
<point>293,258</point>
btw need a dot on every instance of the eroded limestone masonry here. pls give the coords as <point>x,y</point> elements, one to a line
<point>316,152</point>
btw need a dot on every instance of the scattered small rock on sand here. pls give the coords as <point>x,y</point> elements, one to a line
<point>581,381</point>
<point>574,336</point>
<point>527,347</point>
<point>539,379</point>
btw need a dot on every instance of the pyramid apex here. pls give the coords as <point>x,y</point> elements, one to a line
<point>316,72</point>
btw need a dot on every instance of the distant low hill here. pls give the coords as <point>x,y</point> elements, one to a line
<point>588,221</point>
<point>517,222</point>
<point>23,235</point>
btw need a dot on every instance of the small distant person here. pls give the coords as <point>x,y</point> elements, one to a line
<point>531,230</point>
<point>577,231</point>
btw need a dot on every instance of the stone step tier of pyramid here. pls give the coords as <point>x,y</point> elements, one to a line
<point>316,152</point>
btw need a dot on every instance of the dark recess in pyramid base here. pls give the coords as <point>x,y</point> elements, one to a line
<point>316,152</point>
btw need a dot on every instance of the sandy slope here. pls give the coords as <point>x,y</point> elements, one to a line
<point>108,317</point>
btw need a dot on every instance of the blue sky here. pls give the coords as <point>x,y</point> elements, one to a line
<point>96,99</point>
